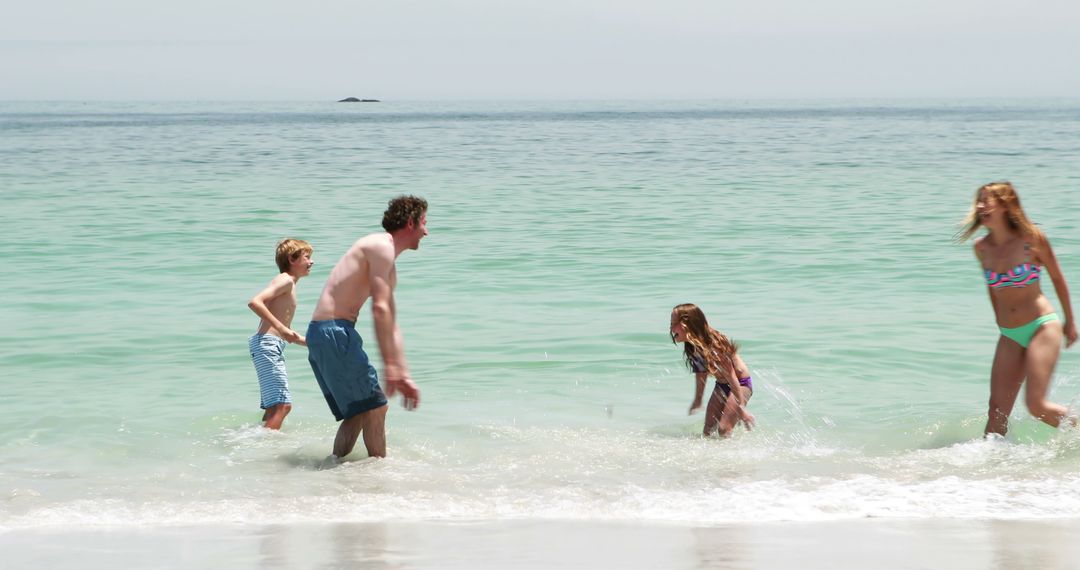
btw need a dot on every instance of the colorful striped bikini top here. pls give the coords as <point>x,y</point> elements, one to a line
<point>1019,276</point>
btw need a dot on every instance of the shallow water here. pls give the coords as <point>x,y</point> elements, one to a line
<point>816,234</point>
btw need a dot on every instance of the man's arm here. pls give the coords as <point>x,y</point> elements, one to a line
<point>384,313</point>
<point>280,285</point>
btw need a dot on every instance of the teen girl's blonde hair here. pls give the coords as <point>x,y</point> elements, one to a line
<point>712,347</point>
<point>1004,195</point>
<point>289,250</point>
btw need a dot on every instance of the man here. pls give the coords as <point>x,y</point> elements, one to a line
<point>335,350</point>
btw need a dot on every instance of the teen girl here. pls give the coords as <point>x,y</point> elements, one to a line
<point>1014,256</point>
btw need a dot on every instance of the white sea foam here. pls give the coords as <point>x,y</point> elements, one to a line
<point>575,474</point>
<point>808,499</point>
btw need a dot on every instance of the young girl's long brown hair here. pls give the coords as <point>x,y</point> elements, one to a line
<point>711,346</point>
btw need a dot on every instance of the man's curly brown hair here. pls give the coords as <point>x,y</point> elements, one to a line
<point>401,210</point>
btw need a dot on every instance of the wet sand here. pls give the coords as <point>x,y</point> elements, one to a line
<point>870,543</point>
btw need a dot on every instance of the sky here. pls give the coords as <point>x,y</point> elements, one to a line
<point>531,50</point>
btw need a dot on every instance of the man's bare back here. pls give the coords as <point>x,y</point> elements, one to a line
<point>349,284</point>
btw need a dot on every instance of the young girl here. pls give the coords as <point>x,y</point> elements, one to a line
<point>709,353</point>
<point>1011,254</point>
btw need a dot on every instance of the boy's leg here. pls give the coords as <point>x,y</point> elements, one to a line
<point>267,354</point>
<point>275,415</point>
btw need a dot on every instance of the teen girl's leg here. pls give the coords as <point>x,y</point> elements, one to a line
<point>1042,356</point>
<point>1005,378</point>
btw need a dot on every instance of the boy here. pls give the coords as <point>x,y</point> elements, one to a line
<point>276,305</point>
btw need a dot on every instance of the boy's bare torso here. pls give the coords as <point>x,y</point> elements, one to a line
<point>283,307</point>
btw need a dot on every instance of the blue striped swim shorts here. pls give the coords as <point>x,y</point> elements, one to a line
<point>348,380</point>
<point>268,355</point>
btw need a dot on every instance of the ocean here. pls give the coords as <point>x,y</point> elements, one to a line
<point>819,235</point>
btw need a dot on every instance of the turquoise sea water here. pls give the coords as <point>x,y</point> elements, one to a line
<point>816,234</point>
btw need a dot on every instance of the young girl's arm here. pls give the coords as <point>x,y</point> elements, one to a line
<point>699,391</point>
<point>732,379</point>
<point>737,393</point>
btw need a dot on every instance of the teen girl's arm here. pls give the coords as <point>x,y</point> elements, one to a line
<point>1046,257</point>
<point>699,391</point>
<point>982,265</point>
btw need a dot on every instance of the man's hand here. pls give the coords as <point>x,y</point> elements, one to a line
<point>410,394</point>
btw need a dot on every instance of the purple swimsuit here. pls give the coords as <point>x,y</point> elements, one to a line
<point>698,366</point>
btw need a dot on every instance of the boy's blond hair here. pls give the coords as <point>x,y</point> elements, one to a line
<point>289,250</point>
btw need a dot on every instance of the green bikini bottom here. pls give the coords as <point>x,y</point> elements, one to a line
<point>1022,334</point>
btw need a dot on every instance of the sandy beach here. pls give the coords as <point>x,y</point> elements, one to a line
<point>545,544</point>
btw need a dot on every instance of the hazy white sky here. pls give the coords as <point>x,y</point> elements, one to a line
<point>525,49</point>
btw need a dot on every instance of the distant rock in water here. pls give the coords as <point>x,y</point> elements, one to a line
<point>355,100</point>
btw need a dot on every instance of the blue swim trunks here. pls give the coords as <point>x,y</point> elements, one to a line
<point>268,355</point>
<point>348,380</point>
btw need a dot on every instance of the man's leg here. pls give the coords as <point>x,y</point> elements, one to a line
<point>347,433</point>
<point>375,431</point>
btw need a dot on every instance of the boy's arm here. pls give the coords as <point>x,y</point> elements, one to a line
<point>384,313</point>
<point>280,285</point>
